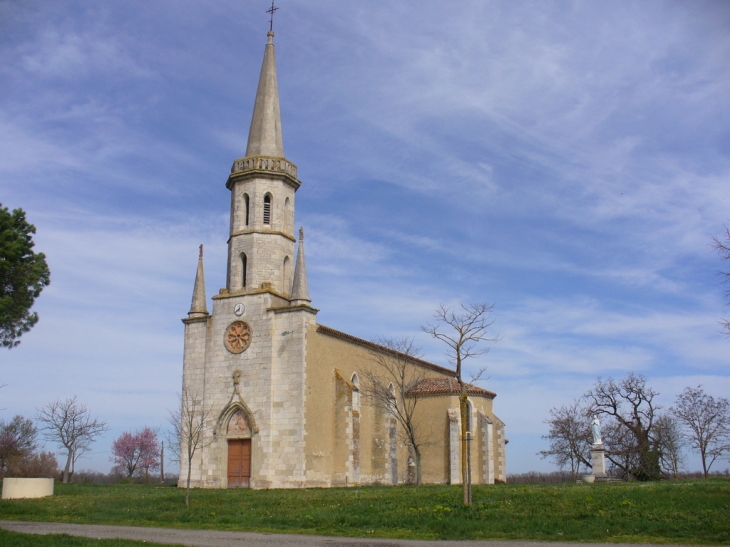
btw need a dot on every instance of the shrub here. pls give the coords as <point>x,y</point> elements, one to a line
<point>41,465</point>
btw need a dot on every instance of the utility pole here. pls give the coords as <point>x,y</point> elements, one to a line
<point>162,464</point>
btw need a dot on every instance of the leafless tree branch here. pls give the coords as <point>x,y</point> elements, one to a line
<point>630,402</point>
<point>707,421</point>
<point>189,423</point>
<point>69,424</point>
<point>570,437</point>
<point>723,249</point>
<point>463,330</point>
<point>387,385</point>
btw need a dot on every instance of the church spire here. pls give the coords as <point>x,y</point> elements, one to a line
<point>264,137</point>
<point>300,291</point>
<point>198,307</point>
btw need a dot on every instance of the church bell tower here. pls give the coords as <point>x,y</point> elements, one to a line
<point>262,184</point>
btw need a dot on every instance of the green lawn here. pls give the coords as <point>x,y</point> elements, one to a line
<point>664,512</point>
<point>13,539</point>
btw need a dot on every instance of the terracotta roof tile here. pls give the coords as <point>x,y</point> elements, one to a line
<point>447,386</point>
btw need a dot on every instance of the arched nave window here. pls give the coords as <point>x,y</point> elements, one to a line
<point>468,416</point>
<point>356,392</point>
<point>393,402</point>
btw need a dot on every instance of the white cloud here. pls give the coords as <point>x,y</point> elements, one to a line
<point>66,54</point>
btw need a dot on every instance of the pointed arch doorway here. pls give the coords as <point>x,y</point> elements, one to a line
<point>239,451</point>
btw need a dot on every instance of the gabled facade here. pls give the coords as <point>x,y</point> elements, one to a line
<point>283,390</point>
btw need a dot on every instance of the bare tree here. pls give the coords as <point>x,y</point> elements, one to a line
<point>630,402</point>
<point>70,425</point>
<point>570,437</point>
<point>17,439</point>
<point>621,448</point>
<point>707,421</point>
<point>387,385</point>
<point>189,422</point>
<point>463,330</point>
<point>669,440</point>
<point>723,249</point>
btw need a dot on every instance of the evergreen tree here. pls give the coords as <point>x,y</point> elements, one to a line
<point>23,274</point>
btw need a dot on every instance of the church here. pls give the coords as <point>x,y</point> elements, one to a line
<point>284,396</point>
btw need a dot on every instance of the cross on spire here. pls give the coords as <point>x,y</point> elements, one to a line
<point>272,10</point>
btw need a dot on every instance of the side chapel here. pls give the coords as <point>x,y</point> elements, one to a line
<point>284,391</point>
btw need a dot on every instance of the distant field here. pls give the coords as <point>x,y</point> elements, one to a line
<point>694,511</point>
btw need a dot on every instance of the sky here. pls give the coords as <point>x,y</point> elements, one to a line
<point>567,161</point>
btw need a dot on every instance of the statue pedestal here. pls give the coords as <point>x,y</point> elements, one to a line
<point>598,460</point>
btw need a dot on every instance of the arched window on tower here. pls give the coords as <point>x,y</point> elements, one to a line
<point>267,209</point>
<point>286,282</point>
<point>288,214</point>
<point>245,206</point>
<point>244,270</point>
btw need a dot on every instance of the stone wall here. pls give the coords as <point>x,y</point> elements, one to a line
<point>271,384</point>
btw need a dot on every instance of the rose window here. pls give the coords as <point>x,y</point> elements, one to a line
<point>238,337</point>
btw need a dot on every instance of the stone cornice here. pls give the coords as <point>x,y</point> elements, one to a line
<point>265,232</point>
<point>197,319</point>
<point>223,293</point>
<point>382,349</point>
<point>290,309</point>
<point>264,166</point>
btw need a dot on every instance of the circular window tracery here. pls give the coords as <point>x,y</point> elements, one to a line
<point>237,337</point>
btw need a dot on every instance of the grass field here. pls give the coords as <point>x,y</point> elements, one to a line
<point>664,512</point>
<point>12,539</point>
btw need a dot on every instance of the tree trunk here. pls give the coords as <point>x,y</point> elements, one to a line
<point>417,457</point>
<point>187,487</point>
<point>465,478</point>
<point>468,464</point>
<point>68,466</point>
<point>648,458</point>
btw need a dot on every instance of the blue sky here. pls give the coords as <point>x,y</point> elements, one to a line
<point>568,161</point>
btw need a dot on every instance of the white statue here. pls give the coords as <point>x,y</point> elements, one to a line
<point>596,427</point>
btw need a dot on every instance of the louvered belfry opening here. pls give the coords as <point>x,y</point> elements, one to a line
<point>245,202</point>
<point>267,209</point>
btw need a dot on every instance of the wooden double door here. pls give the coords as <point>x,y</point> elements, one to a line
<point>239,463</point>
